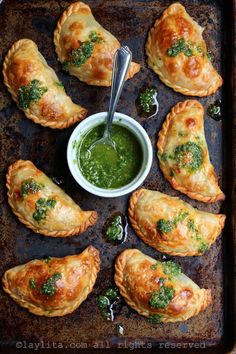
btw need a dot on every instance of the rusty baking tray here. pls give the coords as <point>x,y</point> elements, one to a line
<point>130,20</point>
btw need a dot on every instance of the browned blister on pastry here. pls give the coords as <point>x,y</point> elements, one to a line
<point>85,49</point>
<point>177,53</point>
<point>53,286</point>
<point>158,290</point>
<point>183,153</point>
<point>172,226</point>
<point>36,89</point>
<point>43,206</point>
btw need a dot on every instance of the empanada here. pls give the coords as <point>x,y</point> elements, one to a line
<point>172,226</point>
<point>41,205</point>
<point>177,53</point>
<point>36,89</point>
<point>85,48</point>
<point>183,153</point>
<point>53,286</point>
<point>158,290</point>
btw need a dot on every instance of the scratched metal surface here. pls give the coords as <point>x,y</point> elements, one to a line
<point>20,138</point>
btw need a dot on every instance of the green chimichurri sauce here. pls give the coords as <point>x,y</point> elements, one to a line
<point>106,167</point>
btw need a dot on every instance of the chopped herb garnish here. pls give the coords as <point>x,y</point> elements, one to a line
<point>146,99</point>
<point>191,224</point>
<point>41,208</point>
<point>114,231</point>
<point>111,294</point>
<point>30,186</point>
<point>189,156</point>
<point>30,93</point>
<point>214,110</point>
<point>155,319</point>
<point>93,37</point>
<point>161,298</point>
<point>171,268</point>
<point>154,266</point>
<point>59,83</point>
<point>179,46</point>
<point>210,56</point>
<point>108,302</point>
<point>203,247</point>
<point>80,55</point>
<point>49,286</point>
<point>32,284</point>
<point>164,156</point>
<point>47,259</point>
<point>181,216</point>
<point>103,302</point>
<point>165,226</point>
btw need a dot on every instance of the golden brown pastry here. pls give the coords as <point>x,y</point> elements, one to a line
<point>53,286</point>
<point>172,226</point>
<point>158,290</point>
<point>41,205</point>
<point>177,53</point>
<point>85,48</point>
<point>36,89</point>
<point>183,153</point>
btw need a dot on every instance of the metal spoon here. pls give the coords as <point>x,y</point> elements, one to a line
<point>121,63</point>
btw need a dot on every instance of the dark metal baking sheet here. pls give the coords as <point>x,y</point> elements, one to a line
<point>130,21</point>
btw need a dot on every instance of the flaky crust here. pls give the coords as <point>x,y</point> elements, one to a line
<point>79,273</point>
<point>17,72</point>
<point>84,73</point>
<point>81,219</point>
<point>191,76</point>
<point>136,281</point>
<point>146,208</point>
<point>173,117</point>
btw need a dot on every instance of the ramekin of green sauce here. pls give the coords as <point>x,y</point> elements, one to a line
<point>104,171</point>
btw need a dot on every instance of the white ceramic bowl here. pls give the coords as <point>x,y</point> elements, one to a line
<point>84,127</point>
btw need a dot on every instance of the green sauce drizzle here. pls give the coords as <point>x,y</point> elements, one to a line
<point>202,245</point>
<point>106,167</point>
<point>179,46</point>
<point>114,231</point>
<point>146,99</point>
<point>167,226</point>
<point>161,298</point>
<point>47,259</point>
<point>32,284</point>
<point>30,186</point>
<point>106,303</point>
<point>49,286</point>
<point>30,93</point>
<point>41,208</point>
<point>171,268</point>
<point>80,55</point>
<point>189,156</point>
<point>155,319</point>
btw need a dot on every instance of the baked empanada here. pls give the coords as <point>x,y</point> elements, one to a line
<point>85,48</point>
<point>41,205</point>
<point>36,89</point>
<point>158,290</point>
<point>183,153</point>
<point>172,226</point>
<point>177,53</point>
<point>53,286</point>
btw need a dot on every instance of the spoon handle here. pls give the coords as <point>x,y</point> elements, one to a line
<point>122,59</point>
